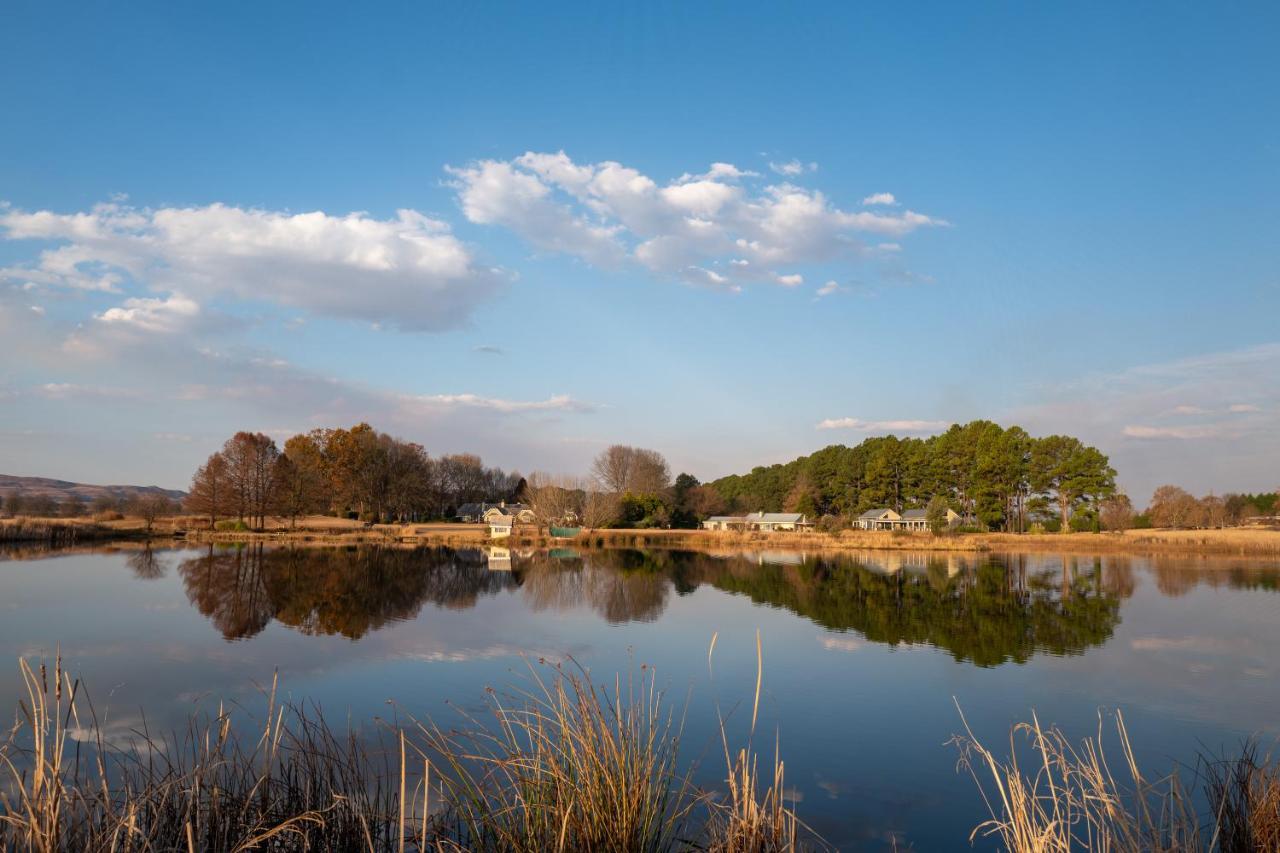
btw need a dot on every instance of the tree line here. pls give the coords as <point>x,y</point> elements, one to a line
<point>1000,478</point>
<point>358,473</point>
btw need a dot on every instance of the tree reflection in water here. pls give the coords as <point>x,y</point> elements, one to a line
<point>347,591</point>
<point>984,609</point>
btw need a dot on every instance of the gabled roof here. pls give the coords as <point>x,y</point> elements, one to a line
<point>776,517</point>
<point>499,520</point>
<point>914,514</point>
<point>878,513</point>
<point>726,518</point>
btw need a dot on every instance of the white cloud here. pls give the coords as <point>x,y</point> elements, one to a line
<point>792,280</point>
<point>1149,418</point>
<point>556,403</point>
<point>171,314</point>
<point>409,271</point>
<point>1243,408</point>
<point>69,390</point>
<point>827,289</point>
<point>885,199</point>
<point>709,228</point>
<point>883,426</point>
<point>1181,433</point>
<point>793,168</point>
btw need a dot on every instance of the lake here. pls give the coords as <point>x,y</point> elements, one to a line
<point>865,655</point>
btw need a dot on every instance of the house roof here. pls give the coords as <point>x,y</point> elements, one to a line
<point>776,517</point>
<point>877,513</point>
<point>916,513</point>
<point>502,519</point>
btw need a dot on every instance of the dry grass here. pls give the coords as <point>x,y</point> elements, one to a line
<point>1070,799</point>
<point>567,765</point>
<point>752,819</point>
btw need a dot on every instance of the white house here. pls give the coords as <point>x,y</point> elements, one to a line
<point>761,521</point>
<point>877,519</point>
<point>480,513</point>
<point>500,526</point>
<point>912,519</point>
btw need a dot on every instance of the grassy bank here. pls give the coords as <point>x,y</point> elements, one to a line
<point>322,530</point>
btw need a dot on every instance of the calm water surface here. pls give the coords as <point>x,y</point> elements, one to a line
<point>866,655</point>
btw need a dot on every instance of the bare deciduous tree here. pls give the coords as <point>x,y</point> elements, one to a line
<point>622,469</point>
<point>553,499</point>
<point>210,493</point>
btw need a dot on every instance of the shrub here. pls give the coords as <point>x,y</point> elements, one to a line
<point>232,524</point>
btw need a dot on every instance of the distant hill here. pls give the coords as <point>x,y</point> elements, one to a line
<point>61,490</point>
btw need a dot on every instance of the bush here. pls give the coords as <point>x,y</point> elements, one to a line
<point>232,524</point>
<point>1141,521</point>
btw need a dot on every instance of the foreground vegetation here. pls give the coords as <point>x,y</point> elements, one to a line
<point>564,765</point>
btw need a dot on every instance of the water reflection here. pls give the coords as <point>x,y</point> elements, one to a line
<point>347,591</point>
<point>984,611</point>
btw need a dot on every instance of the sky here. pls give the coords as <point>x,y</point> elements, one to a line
<point>734,233</point>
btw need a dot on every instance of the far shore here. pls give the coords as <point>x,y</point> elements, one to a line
<point>324,530</point>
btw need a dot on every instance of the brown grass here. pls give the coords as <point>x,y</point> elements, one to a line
<point>1070,798</point>
<point>565,765</point>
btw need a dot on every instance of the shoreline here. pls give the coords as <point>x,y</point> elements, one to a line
<point>322,532</point>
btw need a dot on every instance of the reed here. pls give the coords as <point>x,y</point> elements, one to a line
<point>565,764</point>
<point>1070,799</point>
<point>754,816</point>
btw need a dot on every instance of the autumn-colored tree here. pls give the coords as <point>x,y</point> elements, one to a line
<point>1172,506</point>
<point>251,461</point>
<point>210,493</point>
<point>1117,512</point>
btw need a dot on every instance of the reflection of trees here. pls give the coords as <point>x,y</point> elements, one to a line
<point>1179,575</point>
<point>622,586</point>
<point>145,565</point>
<point>347,591</point>
<point>990,613</point>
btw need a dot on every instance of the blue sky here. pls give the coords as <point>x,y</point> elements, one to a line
<point>732,233</point>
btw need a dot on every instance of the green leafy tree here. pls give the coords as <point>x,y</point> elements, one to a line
<point>936,514</point>
<point>1071,472</point>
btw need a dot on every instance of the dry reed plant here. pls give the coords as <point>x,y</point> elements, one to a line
<point>566,765</point>
<point>64,787</point>
<point>752,819</point>
<point>1071,800</point>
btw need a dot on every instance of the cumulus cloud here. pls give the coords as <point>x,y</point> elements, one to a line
<point>409,271</point>
<point>885,199</point>
<point>827,289</point>
<point>883,426</point>
<point>712,228</point>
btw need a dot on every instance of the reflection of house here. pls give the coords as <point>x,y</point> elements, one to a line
<point>499,559</point>
<point>886,519</point>
<point>763,521</point>
<point>478,513</point>
<point>500,525</point>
